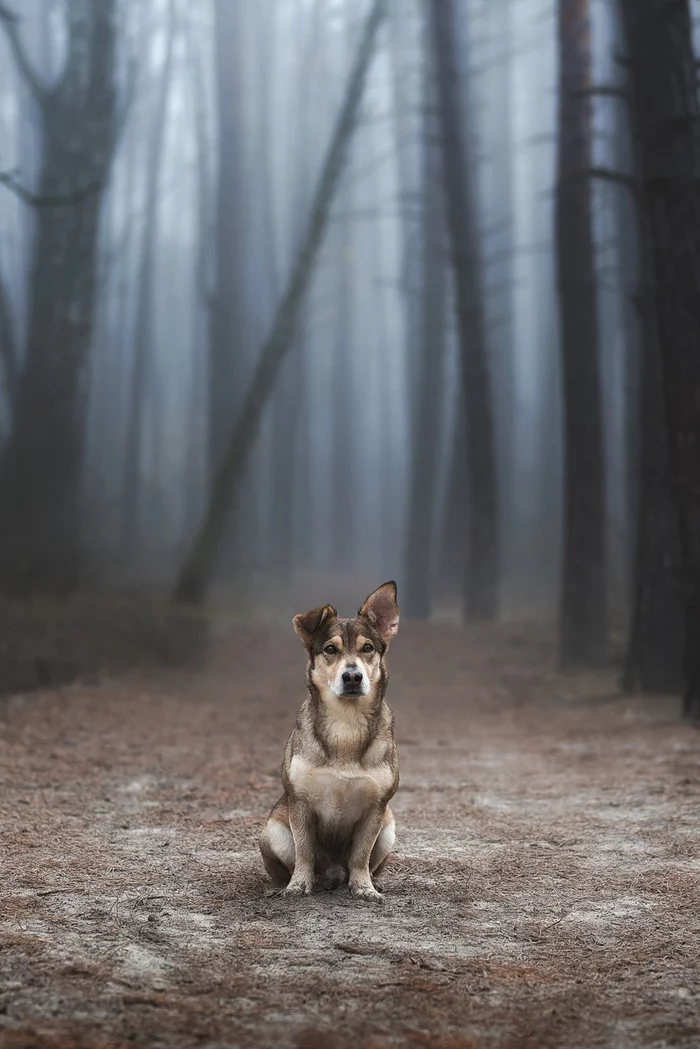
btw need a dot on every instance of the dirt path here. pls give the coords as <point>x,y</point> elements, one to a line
<point>545,891</point>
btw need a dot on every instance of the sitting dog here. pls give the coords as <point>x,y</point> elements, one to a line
<point>333,823</point>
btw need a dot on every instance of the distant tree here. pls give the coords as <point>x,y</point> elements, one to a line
<point>198,567</point>
<point>427,395</point>
<point>666,112</point>
<point>142,365</point>
<point>40,469</point>
<point>583,639</point>
<point>228,301</point>
<point>482,531</point>
<point>501,273</point>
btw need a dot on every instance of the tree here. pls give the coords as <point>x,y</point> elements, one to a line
<point>40,470</point>
<point>197,569</point>
<point>428,392</point>
<point>143,332</point>
<point>227,307</point>
<point>583,639</point>
<point>482,553</point>
<point>666,114</point>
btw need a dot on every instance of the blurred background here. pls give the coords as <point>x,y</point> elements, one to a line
<point>300,295</point>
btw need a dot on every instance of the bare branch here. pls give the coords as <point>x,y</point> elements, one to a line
<point>35,200</point>
<point>608,175</point>
<point>11,21</point>
<point>602,91</point>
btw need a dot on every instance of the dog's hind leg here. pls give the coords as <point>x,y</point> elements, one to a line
<point>383,845</point>
<point>277,845</point>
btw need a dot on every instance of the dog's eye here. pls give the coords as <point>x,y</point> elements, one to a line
<point>330,650</point>
<point>368,647</point>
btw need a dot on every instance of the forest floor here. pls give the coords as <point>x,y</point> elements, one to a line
<point>544,892</point>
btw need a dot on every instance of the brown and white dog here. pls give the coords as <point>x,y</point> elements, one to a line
<point>333,823</point>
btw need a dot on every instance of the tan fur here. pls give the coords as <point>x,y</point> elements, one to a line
<point>333,822</point>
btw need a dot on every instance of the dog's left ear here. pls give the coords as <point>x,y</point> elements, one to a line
<point>382,610</point>
<point>307,623</point>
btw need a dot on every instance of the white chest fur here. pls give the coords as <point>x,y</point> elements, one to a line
<point>339,795</point>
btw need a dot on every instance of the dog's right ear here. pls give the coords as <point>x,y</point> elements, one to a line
<point>306,624</point>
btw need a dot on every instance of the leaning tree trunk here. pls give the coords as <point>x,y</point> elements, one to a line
<point>583,639</point>
<point>198,567</point>
<point>667,124</point>
<point>40,471</point>
<point>482,557</point>
<point>428,391</point>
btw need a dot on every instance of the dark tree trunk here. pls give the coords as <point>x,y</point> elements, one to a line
<point>667,123</point>
<point>198,567</point>
<point>583,639</point>
<point>654,659</point>
<point>428,392</point>
<point>482,555</point>
<point>40,472</point>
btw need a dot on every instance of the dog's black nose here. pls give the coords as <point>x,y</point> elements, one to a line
<point>352,678</point>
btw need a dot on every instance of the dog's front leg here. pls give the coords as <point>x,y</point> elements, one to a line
<point>302,880</point>
<point>363,839</point>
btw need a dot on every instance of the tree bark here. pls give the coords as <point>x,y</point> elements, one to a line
<point>482,547</point>
<point>40,471</point>
<point>198,567</point>
<point>583,638</point>
<point>667,125</point>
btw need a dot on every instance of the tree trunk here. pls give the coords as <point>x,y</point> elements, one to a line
<point>501,279</point>
<point>40,471</point>
<point>583,639</point>
<point>667,125</point>
<point>143,333</point>
<point>228,313</point>
<point>654,659</point>
<point>196,572</point>
<point>9,364</point>
<point>428,392</point>
<point>482,554</point>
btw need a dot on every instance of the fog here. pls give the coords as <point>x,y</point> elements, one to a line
<point>284,306</point>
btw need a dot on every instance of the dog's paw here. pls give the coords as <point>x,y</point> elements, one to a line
<point>299,887</point>
<point>365,891</point>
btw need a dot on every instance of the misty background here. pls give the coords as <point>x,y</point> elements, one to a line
<point>301,295</point>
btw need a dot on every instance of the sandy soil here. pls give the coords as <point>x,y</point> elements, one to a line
<point>544,892</point>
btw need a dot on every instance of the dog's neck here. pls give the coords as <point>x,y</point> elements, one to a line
<point>346,727</point>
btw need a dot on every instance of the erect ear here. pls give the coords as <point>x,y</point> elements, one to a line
<point>382,610</point>
<point>307,623</point>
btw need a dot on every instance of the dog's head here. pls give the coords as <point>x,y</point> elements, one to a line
<point>346,656</point>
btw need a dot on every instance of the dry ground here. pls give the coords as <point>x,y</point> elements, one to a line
<point>545,891</point>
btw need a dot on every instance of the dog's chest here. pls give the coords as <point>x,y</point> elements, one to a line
<point>339,795</point>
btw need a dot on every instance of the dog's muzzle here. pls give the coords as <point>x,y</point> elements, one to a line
<point>353,681</point>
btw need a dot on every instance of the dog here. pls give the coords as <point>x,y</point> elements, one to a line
<point>333,824</point>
